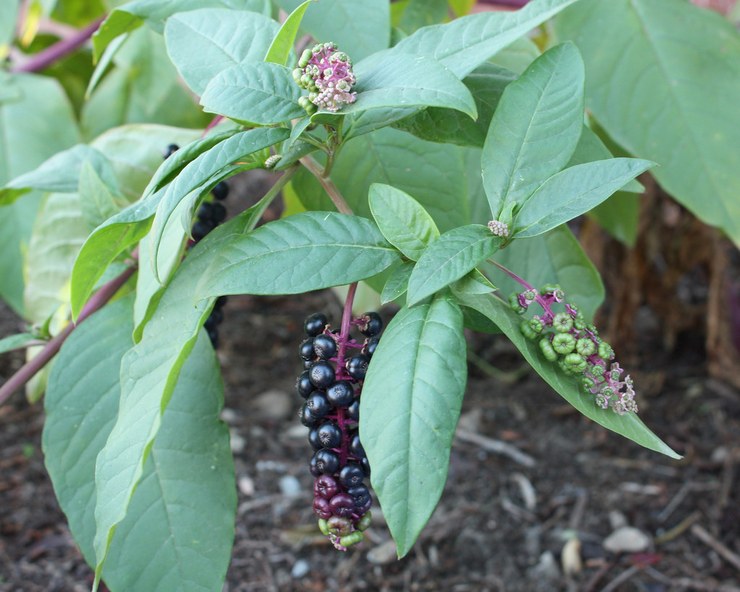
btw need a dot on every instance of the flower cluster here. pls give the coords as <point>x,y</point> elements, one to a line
<point>498,228</point>
<point>327,76</point>
<point>331,385</point>
<point>567,339</point>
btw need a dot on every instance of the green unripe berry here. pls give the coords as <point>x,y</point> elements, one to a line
<point>549,288</point>
<point>579,322</point>
<point>527,331</point>
<point>587,382</point>
<point>324,526</point>
<point>575,362</point>
<point>305,57</point>
<point>597,370</point>
<point>351,539</point>
<point>585,346</point>
<point>339,526</point>
<point>297,73</point>
<point>562,322</point>
<point>547,350</point>
<point>536,325</point>
<point>365,521</point>
<point>605,351</point>
<point>563,343</point>
<point>514,303</point>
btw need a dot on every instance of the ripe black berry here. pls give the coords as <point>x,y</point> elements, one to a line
<point>361,495</point>
<point>351,475</point>
<point>355,447</point>
<point>324,346</point>
<point>201,228</point>
<point>315,324</point>
<point>365,464</point>
<point>218,212</point>
<point>306,349</point>
<point>328,435</point>
<point>372,325</point>
<point>205,211</point>
<point>324,462</point>
<point>353,411</point>
<point>220,190</point>
<point>303,385</point>
<point>321,374</point>
<point>170,150</point>
<point>341,393</point>
<point>318,404</point>
<point>357,366</point>
<point>370,346</point>
<point>308,419</point>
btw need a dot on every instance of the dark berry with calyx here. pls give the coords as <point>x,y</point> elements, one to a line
<point>355,447</point>
<point>322,508</point>
<point>205,211</point>
<point>342,504</point>
<point>306,350</point>
<point>325,486</point>
<point>357,366</point>
<point>321,374</point>
<point>201,228</point>
<point>371,324</point>
<point>318,404</point>
<point>353,411</point>
<point>315,324</point>
<point>324,462</point>
<point>360,494</point>
<point>220,190</point>
<point>324,346</point>
<point>341,393</point>
<point>218,212</point>
<point>170,150</point>
<point>328,435</point>
<point>370,345</point>
<point>351,475</point>
<point>303,385</point>
<point>307,417</point>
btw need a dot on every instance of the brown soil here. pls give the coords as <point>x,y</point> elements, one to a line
<point>499,526</point>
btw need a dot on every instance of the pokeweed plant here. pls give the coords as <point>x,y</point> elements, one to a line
<point>438,164</point>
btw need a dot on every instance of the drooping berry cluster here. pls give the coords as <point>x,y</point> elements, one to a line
<point>567,339</point>
<point>327,76</point>
<point>331,384</point>
<point>209,215</point>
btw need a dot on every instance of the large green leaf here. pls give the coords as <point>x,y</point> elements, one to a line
<point>573,192</point>
<point>202,43</point>
<point>421,363</point>
<point>649,64</point>
<point>261,93</point>
<point>36,121</point>
<point>402,220</point>
<point>359,28</point>
<point>555,257</point>
<point>392,79</point>
<point>535,128</point>
<point>308,251</point>
<point>18,341</point>
<point>98,200</point>
<point>628,425</point>
<point>465,43</point>
<point>8,14</point>
<point>282,46</point>
<point>163,543</point>
<point>449,258</point>
<point>591,147</point>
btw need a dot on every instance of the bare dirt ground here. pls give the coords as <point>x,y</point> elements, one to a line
<point>538,498</point>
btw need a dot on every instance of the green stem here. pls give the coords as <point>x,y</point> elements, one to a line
<point>331,190</point>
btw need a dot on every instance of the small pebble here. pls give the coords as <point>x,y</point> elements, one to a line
<point>300,569</point>
<point>246,486</point>
<point>290,486</point>
<point>238,444</point>
<point>626,539</point>
<point>383,554</point>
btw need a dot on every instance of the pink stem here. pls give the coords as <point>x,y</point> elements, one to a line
<point>29,370</point>
<point>341,371</point>
<point>507,3</point>
<point>59,50</point>
<point>213,123</point>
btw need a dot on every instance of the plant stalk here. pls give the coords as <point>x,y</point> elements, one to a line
<point>331,190</point>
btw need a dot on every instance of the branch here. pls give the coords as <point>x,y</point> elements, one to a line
<point>96,302</point>
<point>507,3</point>
<point>59,50</point>
<point>332,191</point>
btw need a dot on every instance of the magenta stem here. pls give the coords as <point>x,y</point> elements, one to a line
<point>512,275</point>
<point>507,3</point>
<point>29,370</point>
<point>59,50</point>
<point>341,371</point>
<point>213,123</point>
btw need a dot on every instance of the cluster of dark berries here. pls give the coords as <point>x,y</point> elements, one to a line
<point>209,215</point>
<point>566,339</point>
<point>335,366</point>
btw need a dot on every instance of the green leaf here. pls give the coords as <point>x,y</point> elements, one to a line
<point>98,200</point>
<point>392,79</point>
<point>282,45</point>
<point>449,258</point>
<point>397,282</point>
<point>555,257</point>
<point>628,425</point>
<point>421,360</point>
<point>573,192</point>
<point>402,220</point>
<point>465,43</point>
<point>36,122</point>
<point>358,28</point>
<point>422,13</point>
<point>19,341</point>
<point>535,128</point>
<point>202,43</point>
<point>162,543</point>
<point>619,216</point>
<point>305,252</point>
<point>649,92</point>
<point>8,17</point>
<point>261,93</point>
<point>486,84</point>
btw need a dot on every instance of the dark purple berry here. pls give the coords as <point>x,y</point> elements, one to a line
<point>328,435</point>
<point>318,404</point>
<point>351,475</point>
<point>324,462</point>
<point>341,393</point>
<point>205,212</point>
<point>201,228</point>
<point>303,385</point>
<point>325,486</point>
<point>218,212</point>
<point>372,324</point>
<point>308,419</point>
<point>353,411</point>
<point>370,346</point>
<point>355,447</point>
<point>220,190</point>
<point>365,464</point>
<point>306,349</point>
<point>170,150</point>
<point>360,494</point>
<point>321,374</point>
<point>324,346</point>
<point>315,324</point>
<point>342,504</point>
<point>322,508</point>
<point>357,366</point>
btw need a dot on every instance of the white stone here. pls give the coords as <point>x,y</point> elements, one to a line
<point>626,539</point>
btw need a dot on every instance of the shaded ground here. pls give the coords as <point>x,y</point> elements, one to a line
<point>500,525</point>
